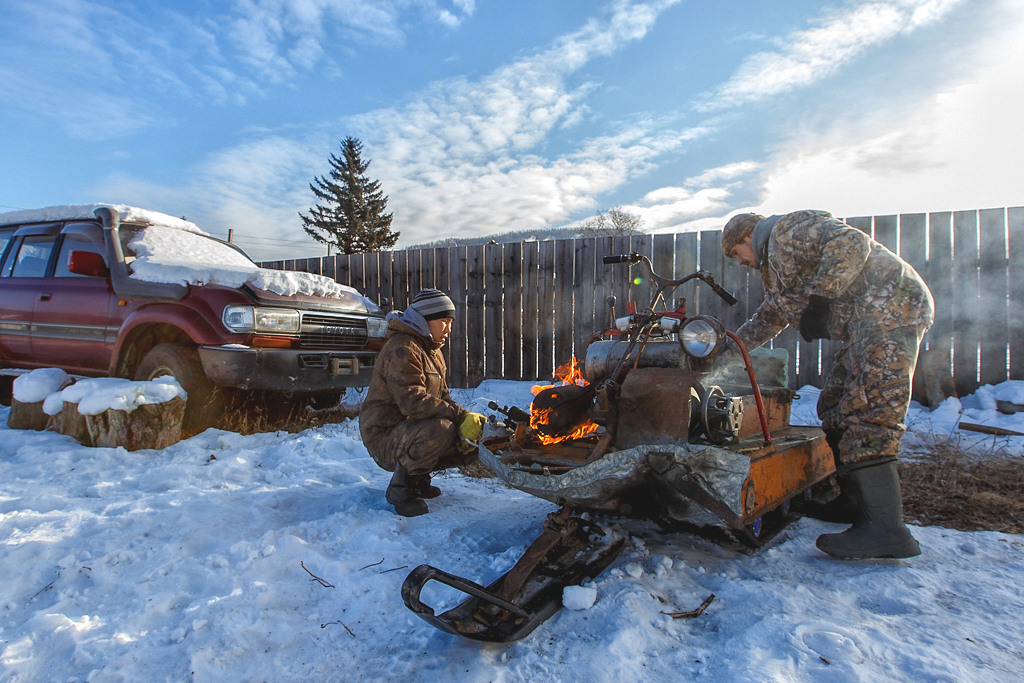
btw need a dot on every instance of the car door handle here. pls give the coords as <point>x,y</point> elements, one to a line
<point>45,296</point>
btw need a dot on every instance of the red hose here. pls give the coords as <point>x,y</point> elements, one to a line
<point>753,385</point>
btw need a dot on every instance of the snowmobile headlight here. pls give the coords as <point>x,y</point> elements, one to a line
<point>701,337</point>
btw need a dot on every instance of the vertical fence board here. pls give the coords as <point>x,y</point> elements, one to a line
<point>711,260</point>
<point>584,302</point>
<point>1015,322</point>
<point>663,256</point>
<point>385,265</point>
<point>493,319</point>
<point>862,223</point>
<point>327,269</point>
<point>426,279</point>
<point>513,310</point>
<point>563,301</point>
<point>621,275</point>
<point>965,301</point>
<point>809,354</point>
<point>734,280</point>
<point>357,272</point>
<point>457,342</point>
<point>530,330</point>
<point>371,278</point>
<point>343,272</point>
<point>414,272</point>
<point>886,229</point>
<point>939,278</point>
<point>546,311</point>
<point>641,286</point>
<point>992,285</point>
<point>687,249</point>
<point>399,278</point>
<point>604,287</point>
<point>475,343</point>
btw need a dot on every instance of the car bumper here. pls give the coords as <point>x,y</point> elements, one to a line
<point>286,369</point>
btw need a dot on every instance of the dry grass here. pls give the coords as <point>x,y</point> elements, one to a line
<point>960,488</point>
<point>257,412</point>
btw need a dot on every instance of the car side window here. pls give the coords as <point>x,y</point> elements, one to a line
<point>73,242</point>
<point>5,238</point>
<point>33,256</point>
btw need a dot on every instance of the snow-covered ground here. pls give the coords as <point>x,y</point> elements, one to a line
<point>191,563</point>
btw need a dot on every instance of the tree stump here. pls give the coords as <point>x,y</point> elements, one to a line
<point>27,416</point>
<point>154,426</point>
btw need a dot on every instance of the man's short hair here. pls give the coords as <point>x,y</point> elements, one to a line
<point>737,229</point>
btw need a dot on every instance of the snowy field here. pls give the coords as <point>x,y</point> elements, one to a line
<point>188,564</point>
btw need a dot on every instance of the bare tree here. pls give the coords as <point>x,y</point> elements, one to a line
<point>613,223</point>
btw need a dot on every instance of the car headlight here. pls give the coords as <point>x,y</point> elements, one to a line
<point>256,319</point>
<point>376,327</point>
<point>700,337</point>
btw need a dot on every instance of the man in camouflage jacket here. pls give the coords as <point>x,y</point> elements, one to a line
<point>832,281</point>
<point>409,422</point>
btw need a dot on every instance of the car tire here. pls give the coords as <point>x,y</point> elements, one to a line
<point>6,390</point>
<point>205,403</point>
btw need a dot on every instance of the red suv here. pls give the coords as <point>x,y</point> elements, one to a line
<point>110,290</point>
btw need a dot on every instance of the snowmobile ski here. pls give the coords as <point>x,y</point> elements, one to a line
<point>569,551</point>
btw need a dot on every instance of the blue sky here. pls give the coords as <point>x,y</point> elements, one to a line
<point>481,117</point>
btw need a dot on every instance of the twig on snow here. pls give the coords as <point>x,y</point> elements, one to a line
<point>694,613</point>
<point>315,577</point>
<point>404,566</point>
<point>46,587</point>
<point>324,626</point>
<point>372,565</point>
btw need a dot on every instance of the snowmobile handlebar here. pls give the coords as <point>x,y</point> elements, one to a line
<point>666,284</point>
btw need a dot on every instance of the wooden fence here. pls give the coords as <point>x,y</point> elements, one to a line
<point>523,309</point>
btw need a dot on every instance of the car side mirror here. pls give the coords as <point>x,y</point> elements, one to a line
<point>87,263</point>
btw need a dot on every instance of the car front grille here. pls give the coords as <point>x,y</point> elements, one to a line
<point>332,332</point>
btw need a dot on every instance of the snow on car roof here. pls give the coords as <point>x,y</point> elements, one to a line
<point>129,214</point>
<point>173,257</point>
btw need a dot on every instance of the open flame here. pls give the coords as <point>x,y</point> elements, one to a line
<point>566,374</point>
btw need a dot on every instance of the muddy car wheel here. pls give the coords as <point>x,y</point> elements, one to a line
<point>205,403</point>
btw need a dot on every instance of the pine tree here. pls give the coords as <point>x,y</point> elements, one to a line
<point>350,214</point>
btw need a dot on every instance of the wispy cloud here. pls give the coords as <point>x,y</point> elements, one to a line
<point>804,57</point>
<point>279,38</point>
<point>707,194</point>
<point>53,52</point>
<point>464,157</point>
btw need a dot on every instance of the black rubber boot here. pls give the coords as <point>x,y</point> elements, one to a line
<point>878,530</point>
<point>843,508</point>
<point>402,494</point>
<point>422,487</point>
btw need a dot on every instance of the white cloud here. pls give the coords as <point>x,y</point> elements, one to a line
<point>957,152</point>
<point>464,158</point>
<point>807,56</point>
<point>673,208</point>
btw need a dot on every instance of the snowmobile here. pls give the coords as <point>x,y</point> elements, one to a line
<point>642,433</point>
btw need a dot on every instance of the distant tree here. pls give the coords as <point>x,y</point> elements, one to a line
<point>350,214</point>
<point>614,223</point>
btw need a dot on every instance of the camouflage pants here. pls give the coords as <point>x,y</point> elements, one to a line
<point>420,446</point>
<point>867,393</point>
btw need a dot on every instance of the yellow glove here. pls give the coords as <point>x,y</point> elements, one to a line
<point>472,427</point>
